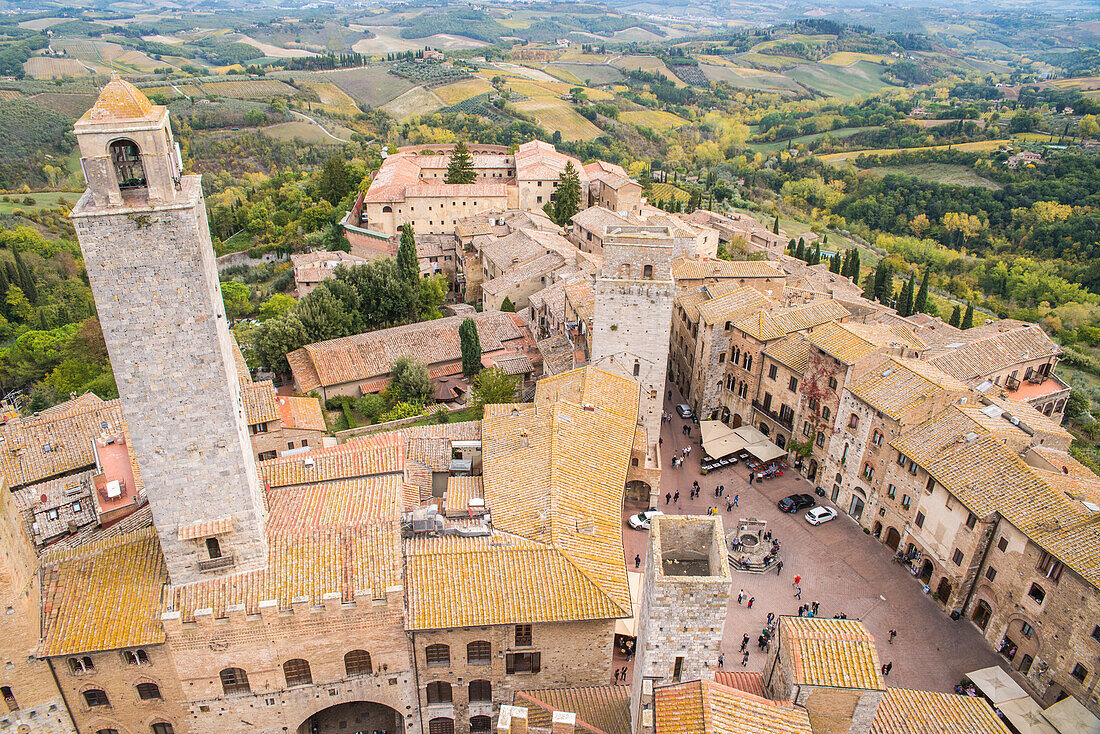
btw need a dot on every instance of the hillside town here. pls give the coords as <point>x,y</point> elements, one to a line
<point>727,492</point>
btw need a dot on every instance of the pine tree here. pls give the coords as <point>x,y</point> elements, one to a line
<point>956,316</point>
<point>905,304</point>
<point>968,317</point>
<point>835,263</point>
<point>567,199</point>
<point>816,258</point>
<point>407,264</point>
<point>471,347</point>
<point>800,251</point>
<point>922,295</point>
<point>460,169</point>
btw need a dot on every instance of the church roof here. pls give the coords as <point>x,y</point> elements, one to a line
<point>119,100</point>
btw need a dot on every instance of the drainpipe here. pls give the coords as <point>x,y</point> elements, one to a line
<point>61,691</point>
<point>974,584</point>
<point>416,679</point>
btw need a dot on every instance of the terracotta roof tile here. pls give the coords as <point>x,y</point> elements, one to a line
<point>837,653</point>
<point>995,351</point>
<point>904,711</point>
<point>699,268</point>
<point>259,402</point>
<point>706,707</point>
<point>381,453</point>
<point>599,709</point>
<point>119,100</point>
<point>301,413</point>
<point>897,386</point>
<point>792,351</point>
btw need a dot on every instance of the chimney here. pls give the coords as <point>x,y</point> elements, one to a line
<point>513,720</point>
<point>564,723</point>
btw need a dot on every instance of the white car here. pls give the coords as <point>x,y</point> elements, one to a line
<point>818,515</point>
<point>641,520</point>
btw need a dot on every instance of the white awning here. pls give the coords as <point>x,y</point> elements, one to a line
<point>1068,716</point>
<point>997,685</point>
<point>1026,717</point>
<point>629,625</point>
<point>719,439</point>
<point>765,451</point>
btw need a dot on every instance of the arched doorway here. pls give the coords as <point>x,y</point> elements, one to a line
<point>926,571</point>
<point>637,490</point>
<point>346,718</point>
<point>736,421</point>
<point>764,428</point>
<point>943,591</point>
<point>877,529</point>
<point>856,508</point>
<point>726,415</point>
<point>893,538</point>
<point>982,614</point>
<point>812,473</point>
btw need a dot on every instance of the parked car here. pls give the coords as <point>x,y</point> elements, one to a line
<point>818,515</point>
<point>684,410</point>
<point>641,520</point>
<point>796,502</point>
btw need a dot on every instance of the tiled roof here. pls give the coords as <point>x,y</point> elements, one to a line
<point>792,351</point>
<point>838,653</point>
<point>837,340</point>
<point>259,402</point>
<point>732,306</point>
<point>506,252</point>
<point>765,326</point>
<point>557,354</point>
<point>381,453</point>
<point>599,709</point>
<point>995,351</point>
<point>119,100</point>
<point>364,356</point>
<point>904,711</point>
<point>536,159</point>
<point>463,582</point>
<point>897,386</point>
<point>743,681</point>
<point>597,219</point>
<point>243,372</point>
<point>301,413</point>
<point>706,707</point>
<point>205,528</point>
<point>332,505</point>
<point>103,595</point>
<point>514,364</point>
<point>690,301</point>
<point>1032,417</point>
<point>698,268</point>
<point>529,270</point>
<point>460,490</point>
<point>56,442</point>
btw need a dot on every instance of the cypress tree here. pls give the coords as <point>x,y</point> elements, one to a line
<point>956,317</point>
<point>792,246</point>
<point>567,200</point>
<point>471,347</point>
<point>460,169</point>
<point>922,295</point>
<point>775,226</point>
<point>855,264</point>
<point>846,264</point>
<point>800,251</point>
<point>905,307</point>
<point>407,264</point>
<point>968,317</point>
<point>24,278</point>
<point>816,259</point>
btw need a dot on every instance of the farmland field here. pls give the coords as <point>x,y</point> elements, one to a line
<point>44,67</point>
<point>770,61</point>
<point>42,200</point>
<point>371,86</point>
<point>387,39</point>
<point>657,119</point>
<point>416,101</point>
<point>979,146</point>
<point>597,73</point>
<point>251,89</point>
<point>845,58</point>
<point>307,131</point>
<point>948,173</point>
<point>746,78</point>
<point>459,91</point>
<point>275,52</point>
<point>668,192</point>
<point>333,99</point>
<point>6,94</point>
<point>557,114</point>
<point>73,105</point>
<point>861,77</point>
<point>650,64</point>
<point>842,132</point>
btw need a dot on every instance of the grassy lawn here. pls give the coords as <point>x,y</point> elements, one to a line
<point>842,132</point>
<point>861,77</point>
<point>980,145</point>
<point>948,173</point>
<point>466,414</point>
<point>44,200</point>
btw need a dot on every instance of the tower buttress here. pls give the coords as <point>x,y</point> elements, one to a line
<point>143,231</point>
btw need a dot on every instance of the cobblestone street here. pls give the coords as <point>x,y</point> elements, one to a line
<point>843,568</point>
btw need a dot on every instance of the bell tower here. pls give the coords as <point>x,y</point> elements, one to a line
<point>146,243</point>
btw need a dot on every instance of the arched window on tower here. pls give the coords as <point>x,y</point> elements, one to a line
<point>126,159</point>
<point>647,272</point>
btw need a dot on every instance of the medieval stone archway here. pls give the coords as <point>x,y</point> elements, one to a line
<point>637,491</point>
<point>356,716</point>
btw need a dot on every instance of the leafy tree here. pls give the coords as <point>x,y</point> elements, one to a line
<point>471,347</point>
<point>460,169</point>
<point>277,305</point>
<point>334,239</point>
<point>335,182</point>
<point>409,381</point>
<point>406,254</point>
<point>237,298</point>
<point>956,317</point>
<point>921,302</point>
<point>567,199</point>
<point>276,337</point>
<point>507,305</point>
<point>968,317</point>
<point>431,294</point>
<point>493,387</point>
<point>18,307</point>
<point>835,263</point>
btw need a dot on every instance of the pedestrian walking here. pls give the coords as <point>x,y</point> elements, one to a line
<point>816,606</point>
<point>668,496</point>
<point>660,440</point>
<point>745,659</point>
<point>676,497</point>
<point>721,660</point>
<point>638,561</point>
<point>779,568</point>
<point>735,498</point>
<point>771,616</point>
<point>616,675</point>
<point>886,668</point>
<point>751,600</point>
<point>893,634</point>
<point>741,596</point>
<point>797,580</point>
<point>798,593</point>
<point>729,506</point>
<point>744,643</point>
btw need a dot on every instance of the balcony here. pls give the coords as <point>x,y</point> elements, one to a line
<point>216,564</point>
<point>773,416</point>
<point>1012,383</point>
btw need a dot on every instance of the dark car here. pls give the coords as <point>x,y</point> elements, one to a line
<point>796,502</point>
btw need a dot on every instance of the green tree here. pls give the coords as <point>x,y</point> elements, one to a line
<point>507,306</point>
<point>19,308</point>
<point>493,387</point>
<point>968,317</point>
<point>334,183</point>
<point>835,263</point>
<point>471,347</point>
<point>406,254</point>
<point>460,169</point>
<point>567,198</point>
<point>905,302</point>
<point>275,338</point>
<point>432,292</point>
<point>956,317</point>
<point>775,225</point>
<point>409,381</point>
<point>237,298</point>
<point>921,303</point>
<point>277,305</point>
<point>334,239</point>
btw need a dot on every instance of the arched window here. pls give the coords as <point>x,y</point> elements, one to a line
<point>439,691</point>
<point>853,421</point>
<point>135,657</point>
<point>357,662</point>
<point>647,272</point>
<point>780,440</point>
<point>213,548</point>
<point>297,673</point>
<point>126,159</point>
<point>95,697</point>
<point>441,725</point>
<point>479,652</point>
<point>480,724</point>
<point>637,368</point>
<point>234,680</point>
<point>876,439</point>
<point>387,209</point>
<point>481,690</point>
<point>81,665</point>
<point>437,655</point>
<point>148,691</point>
<point>163,728</point>
<point>825,413</point>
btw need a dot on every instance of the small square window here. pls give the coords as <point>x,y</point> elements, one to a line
<point>971,520</point>
<point>957,557</point>
<point>991,573</point>
<point>51,514</point>
<point>832,383</point>
<point>1002,544</point>
<point>1080,672</point>
<point>772,372</point>
<point>793,384</point>
<point>1027,630</point>
<point>905,501</point>
<point>1036,593</point>
<point>920,520</point>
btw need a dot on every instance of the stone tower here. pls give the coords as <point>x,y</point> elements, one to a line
<point>685,593</point>
<point>143,231</point>
<point>632,317</point>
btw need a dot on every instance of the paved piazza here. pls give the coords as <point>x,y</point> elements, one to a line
<point>844,569</point>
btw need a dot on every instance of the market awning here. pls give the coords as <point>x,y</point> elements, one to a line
<point>765,451</point>
<point>997,685</point>
<point>1026,717</point>
<point>720,440</point>
<point>1068,716</point>
<point>629,625</point>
